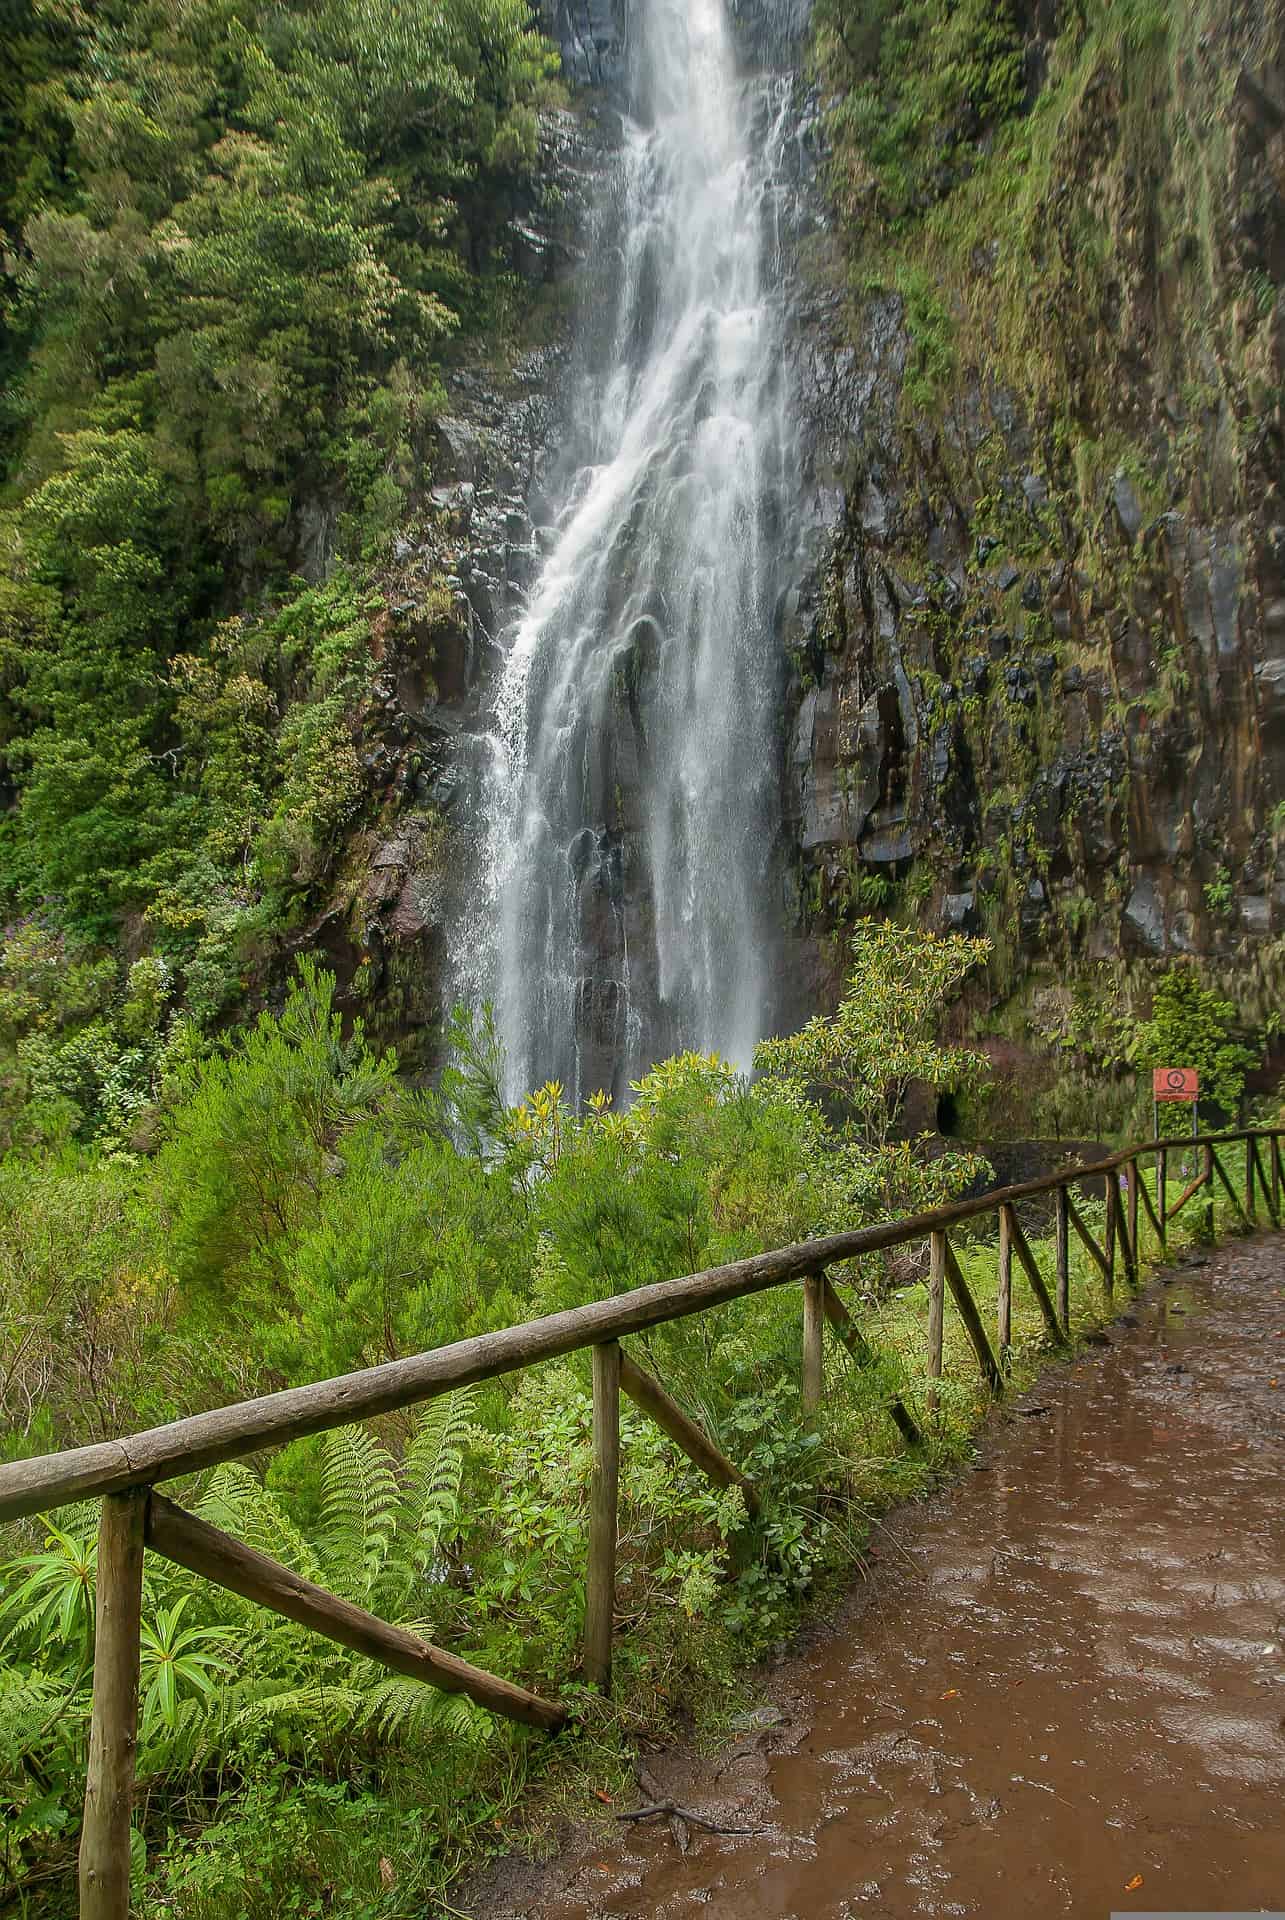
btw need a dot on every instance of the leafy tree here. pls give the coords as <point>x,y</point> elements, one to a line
<point>250,1149</point>
<point>400,1258</point>
<point>1192,1026</point>
<point>240,237</point>
<point>884,1036</point>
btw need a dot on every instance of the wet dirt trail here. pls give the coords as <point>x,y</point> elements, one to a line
<point>1066,1672</point>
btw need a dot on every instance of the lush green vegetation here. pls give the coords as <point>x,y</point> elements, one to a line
<point>241,237</point>
<point>1088,1046</point>
<point>244,240</point>
<point>306,1212</point>
<point>916,85</point>
<point>1021,186</point>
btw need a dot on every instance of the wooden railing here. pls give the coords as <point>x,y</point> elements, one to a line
<point>136,1518</point>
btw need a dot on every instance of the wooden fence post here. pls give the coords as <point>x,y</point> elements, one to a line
<point>1276,1173</point>
<point>1063,1260</point>
<point>113,1727</point>
<point>1148,1207</point>
<point>936,1307</point>
<point>1249,1184</point>
<point>1108,1235</point>
<point>1162,1194</point>
<point>600,1589</point>
<point>1004,1293</point>
<point>813,1342</point>
<point>1133,1217</point>
<point>1209,1193</point>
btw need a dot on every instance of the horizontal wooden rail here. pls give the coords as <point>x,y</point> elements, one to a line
<point>229,1433</point>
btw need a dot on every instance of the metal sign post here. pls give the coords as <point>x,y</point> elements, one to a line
<point>1176,1083</point>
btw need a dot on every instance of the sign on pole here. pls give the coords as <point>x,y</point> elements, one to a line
<point>1176,1083</point>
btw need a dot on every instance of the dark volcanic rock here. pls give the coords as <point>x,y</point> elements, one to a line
<point>1084,717</point>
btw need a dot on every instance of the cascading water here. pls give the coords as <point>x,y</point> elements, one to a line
<point>624,895</point>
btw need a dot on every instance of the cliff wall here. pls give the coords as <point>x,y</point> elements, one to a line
<point>1038,675</point>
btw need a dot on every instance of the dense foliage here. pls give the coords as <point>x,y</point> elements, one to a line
<point>305,1212</point>
<point>1191,1025</point>
<point>238,239</point>
<point>914,87</point>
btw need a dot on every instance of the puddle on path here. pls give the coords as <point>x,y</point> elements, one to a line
<point>1067,1672</point>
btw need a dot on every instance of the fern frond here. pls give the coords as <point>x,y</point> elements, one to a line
<point>188,1743</point>
<point>428,1512</point>
<point>405,1709</point>
<point>239,1503</point>
<point>329,1710</point>
<point>30,1703</point>
<point>359,1499</point>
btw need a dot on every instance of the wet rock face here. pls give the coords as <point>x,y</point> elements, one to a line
<point>1051,709</point>
<point>458,572</point>
<point>591,35</point>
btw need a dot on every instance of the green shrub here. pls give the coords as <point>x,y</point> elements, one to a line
<point>1191,1025</point>
<point>305,1213</point>
<point>914,85</point>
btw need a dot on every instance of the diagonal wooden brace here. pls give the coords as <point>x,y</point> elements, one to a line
<point>201,1548</point>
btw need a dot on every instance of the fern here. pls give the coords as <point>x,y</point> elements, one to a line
<point>428,1515</point>
<point>189,1743</point>
<point>407,1709</point>
<point>359,1501</point>
<point>314,1707</point>
<point>240,1503</point>
<point>30,1705</point>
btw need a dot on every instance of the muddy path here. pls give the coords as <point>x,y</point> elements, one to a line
<point>1061,1692</point>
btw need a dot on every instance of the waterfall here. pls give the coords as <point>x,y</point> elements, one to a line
<point>625,894</point>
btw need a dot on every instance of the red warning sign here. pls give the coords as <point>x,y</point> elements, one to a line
<point>1175,1083</point>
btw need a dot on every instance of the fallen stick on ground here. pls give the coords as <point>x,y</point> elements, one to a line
<point>666,1810</point>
